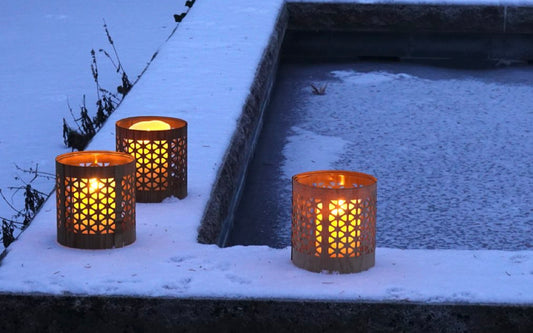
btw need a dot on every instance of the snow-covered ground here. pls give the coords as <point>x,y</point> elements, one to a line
<point>203,74</point>
<point>45,65</point>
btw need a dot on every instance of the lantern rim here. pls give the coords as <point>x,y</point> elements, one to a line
<point>88,157</point>
<point>174,123</point>
<point>311,178</point>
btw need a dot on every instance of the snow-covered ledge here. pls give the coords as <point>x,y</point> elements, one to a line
<point>207,74</point>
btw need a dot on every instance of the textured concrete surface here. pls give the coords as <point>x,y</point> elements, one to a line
<point>225,194</point>
<point>39,313</point>
<point>396,17</point>
<point>519,20</point>
<point>347,31</point>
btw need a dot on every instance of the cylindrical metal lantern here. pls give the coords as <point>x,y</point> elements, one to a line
<point>95,193</point>
<point>159,144</point>
<point>334,221</point>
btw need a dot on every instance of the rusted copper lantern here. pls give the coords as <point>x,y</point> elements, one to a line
<point>95,193</point>
<point>334,221</point>
<point>159,144</point>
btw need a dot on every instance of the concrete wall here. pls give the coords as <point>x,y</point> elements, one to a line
<point>126,314</point>
<point>409,32</point>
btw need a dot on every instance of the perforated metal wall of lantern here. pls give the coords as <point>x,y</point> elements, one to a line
<point>95,193</point>
<point>334,221</point>
<point>159,144</point>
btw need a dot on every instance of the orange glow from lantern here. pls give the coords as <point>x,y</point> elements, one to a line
<point>159,145</point>
<point>150,155</point>
<point>94,205</point>
<point>343,225</point>
<point>95,193</point>
<point>333,221</point>
<point>151,160</point>
<point>150,125</point>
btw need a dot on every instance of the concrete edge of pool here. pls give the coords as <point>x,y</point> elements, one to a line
<point>33,312</point>
<point>110,314</point>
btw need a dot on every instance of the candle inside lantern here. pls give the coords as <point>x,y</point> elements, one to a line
<point>150,125</point>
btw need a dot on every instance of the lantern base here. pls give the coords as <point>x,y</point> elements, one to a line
<point>95,242</point>
<point>342,265</point>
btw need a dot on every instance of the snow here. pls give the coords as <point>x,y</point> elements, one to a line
<point>46,66</point>
<point>453,157</point>
<point>203,74</point>
<point>326,150</point>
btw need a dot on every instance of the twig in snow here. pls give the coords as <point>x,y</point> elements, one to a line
<point>321,90</point>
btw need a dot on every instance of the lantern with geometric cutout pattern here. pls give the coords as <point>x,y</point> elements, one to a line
<point>159,145</point>
<point>334,221</point>
<point>95,193</point>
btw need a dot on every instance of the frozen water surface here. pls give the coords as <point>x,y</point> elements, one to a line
<point>451,148</point>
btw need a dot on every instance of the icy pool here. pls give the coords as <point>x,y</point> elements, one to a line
<point>452,150</point>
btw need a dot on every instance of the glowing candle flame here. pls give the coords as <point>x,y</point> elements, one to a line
<point>94,205</point>
<point>343,224</point>
<point>94,185</point>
